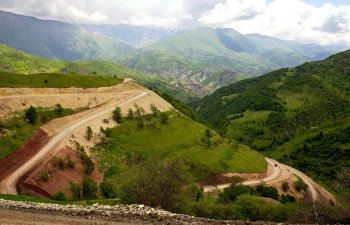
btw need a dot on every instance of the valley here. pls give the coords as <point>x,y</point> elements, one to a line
<point>213,112</point>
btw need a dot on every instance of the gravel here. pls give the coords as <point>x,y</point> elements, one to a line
<point>118,213</point>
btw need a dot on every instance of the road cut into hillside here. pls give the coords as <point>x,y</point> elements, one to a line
<point>58,133</point>
<point>278,173</point>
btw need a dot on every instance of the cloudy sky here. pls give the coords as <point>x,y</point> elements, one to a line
<point>321,21</point>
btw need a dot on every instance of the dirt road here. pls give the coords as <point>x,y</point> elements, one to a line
<point>280,172</point>
<point>8,185</point>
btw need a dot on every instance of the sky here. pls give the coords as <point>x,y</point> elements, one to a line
<point>314,21</point>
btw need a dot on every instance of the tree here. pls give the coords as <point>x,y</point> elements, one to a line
<point>31,115</point>
<point>117,116</point>
<point>60,196</point>
<point>236,189</point>
<point>285,186</point>
<point>268,192</point>
<point>300,185</point>
<point>156,184</point>
<point>154,110</point>
<point>88,163</point>
<point>89,188</point>
<point>76,190</point>
<point>89,133</point>
<point>139,112</point>
<point>108,190</point>
<point>45,176</point>
<point>164,118</point>
<point>131,114</point>
<point>59,109</point>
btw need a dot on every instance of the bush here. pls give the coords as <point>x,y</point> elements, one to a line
<point>231,193</point>
<point>117,116</point>
<point>300,185</point>
<point>59,109</point>
<point>285,186</point>
<point>70,163</point>
<point>59,163</point>
<point>60,196</point>
<point>131,114</point>
<point>45,176</point>
<point>287,199</point>
<point>269,192</point>
<point>108,190</point>
<point>89,133</point>
<point>76,190</point>
<point>156,184</point>
<point>31,115</point>
<point>164,118</point>
<point>89,188</point>
<point>154,110</point>
<point>88,163</point>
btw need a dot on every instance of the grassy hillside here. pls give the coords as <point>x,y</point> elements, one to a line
<point>15,131</point>
<point>180,138</point>
<point>55,80</point>
<point>300,116</point>
<point>56,40</point>
<point>15,61</point>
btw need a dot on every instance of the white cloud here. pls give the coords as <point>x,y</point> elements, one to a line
<point>288,19</point>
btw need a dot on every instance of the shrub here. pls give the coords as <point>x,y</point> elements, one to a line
<point>59,163</point>
<point>45,176</point>
<point>59,109</point>
<point>88,163</point>
<point>269,192</point>
<point>70,163</point>
<point>154,110</point>
<point>76,190</point>
<point>285,186</point>
<point>131,114</point>
<point>164,118</point>
<point>117,116</point>
<point>287,199</point>
<point>156,184</point>
<point>89,188</point>
<point>231,193</point>
<point>139,112</point>
<point>300,185</point>
<point>108,190</point>
<point>60,196</point>
<point>31,115</point>
<point>89,133</point>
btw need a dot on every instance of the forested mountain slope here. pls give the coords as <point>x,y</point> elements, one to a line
<point>299,115</point>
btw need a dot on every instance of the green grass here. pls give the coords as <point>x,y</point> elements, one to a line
<point>18,131</point>
<point>55,80</point>
<point>24,198</point>
<point>181,138</point>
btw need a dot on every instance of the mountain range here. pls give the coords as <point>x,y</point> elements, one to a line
<point>198,60</point>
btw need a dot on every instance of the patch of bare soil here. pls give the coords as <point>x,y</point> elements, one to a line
<point>59,179</point>
<point>9,164</point>
<point>229,178</point>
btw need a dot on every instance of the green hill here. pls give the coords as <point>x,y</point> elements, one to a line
<point>196,58</point>
<point>15,61</point>
<point>300,115</point>
<point>56,40</point>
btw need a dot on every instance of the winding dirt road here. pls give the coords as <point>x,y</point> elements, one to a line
<point>280,172</point>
